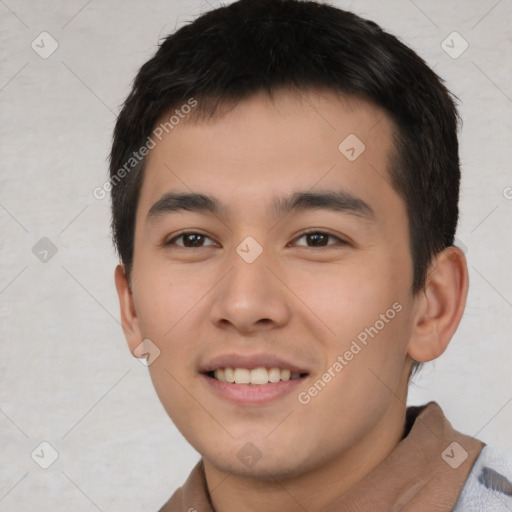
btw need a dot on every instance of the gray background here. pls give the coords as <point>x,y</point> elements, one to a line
<point>66,375</point>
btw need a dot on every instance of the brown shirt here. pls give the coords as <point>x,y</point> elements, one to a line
<point>425,472</point>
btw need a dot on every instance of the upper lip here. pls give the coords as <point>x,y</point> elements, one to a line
<point>250,362</point>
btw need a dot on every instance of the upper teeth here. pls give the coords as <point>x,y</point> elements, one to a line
<point>256,376</point>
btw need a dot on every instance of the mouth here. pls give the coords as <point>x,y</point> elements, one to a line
<point>254,377</point>
<point>253,386</point>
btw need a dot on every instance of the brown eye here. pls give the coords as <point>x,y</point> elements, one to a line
<point>189,240</point>
<point>319,239</point>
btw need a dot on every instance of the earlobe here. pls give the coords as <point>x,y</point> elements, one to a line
<point>129,319</point>
<point>440,305</point>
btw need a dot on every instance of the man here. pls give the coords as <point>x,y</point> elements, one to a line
<point>285,182</point>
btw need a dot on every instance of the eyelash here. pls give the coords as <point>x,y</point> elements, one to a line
<point>340,241</point>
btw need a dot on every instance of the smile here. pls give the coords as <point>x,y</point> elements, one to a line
<point>255,387</point>
<point>256,376</point>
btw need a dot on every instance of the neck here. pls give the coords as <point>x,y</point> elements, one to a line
<point>317,488</point>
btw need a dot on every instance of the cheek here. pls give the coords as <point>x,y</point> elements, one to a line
<point>364,306</point>
<point>349,297</point>
<point>163,299</point>
<point>170,305</point>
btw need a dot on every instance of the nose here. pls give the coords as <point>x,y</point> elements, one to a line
<point>250,298</point>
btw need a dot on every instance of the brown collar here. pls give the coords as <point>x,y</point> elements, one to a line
<point>424,472</point>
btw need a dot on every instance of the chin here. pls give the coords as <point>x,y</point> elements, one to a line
<point>263,470</point>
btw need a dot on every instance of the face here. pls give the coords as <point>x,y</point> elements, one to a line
<point>298,260</point>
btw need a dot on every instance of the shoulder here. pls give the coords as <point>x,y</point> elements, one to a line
<point>489,483</point>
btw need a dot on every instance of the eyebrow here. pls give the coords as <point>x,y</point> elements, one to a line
<point>339,201</point>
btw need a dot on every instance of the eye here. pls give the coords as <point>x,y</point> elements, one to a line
<point>190,239</point>
<point>319,239</point>
<point>193,239</point>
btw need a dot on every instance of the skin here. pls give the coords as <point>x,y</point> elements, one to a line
<point>296,300</point>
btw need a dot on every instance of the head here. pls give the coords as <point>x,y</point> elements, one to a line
<point>256,101</point>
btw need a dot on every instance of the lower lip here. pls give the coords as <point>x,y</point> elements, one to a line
<point>250,394</point>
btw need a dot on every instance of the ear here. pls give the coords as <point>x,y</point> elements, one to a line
<point>439,305</point>
<point>129,320</point>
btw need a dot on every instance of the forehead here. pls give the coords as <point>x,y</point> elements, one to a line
<point>249,155</point>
